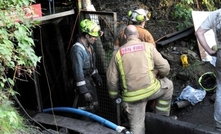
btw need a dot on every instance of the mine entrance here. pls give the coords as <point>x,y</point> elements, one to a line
<point>53,38</point>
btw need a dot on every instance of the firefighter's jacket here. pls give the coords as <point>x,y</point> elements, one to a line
<point>132,67</point>
<point>83,64</point>
<point>144,35</point>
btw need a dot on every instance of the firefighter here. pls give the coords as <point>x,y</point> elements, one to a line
<point>138,18</point>
<point>132,66</point>
<point>85,74</point>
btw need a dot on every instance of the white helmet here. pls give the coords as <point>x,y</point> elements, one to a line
<point>138,15</point>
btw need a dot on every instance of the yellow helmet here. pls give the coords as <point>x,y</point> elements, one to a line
<point>139,15</point>
<point>90,27</point>
<point>208,81</point>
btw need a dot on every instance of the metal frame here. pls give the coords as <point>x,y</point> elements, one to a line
<point>108,24</point>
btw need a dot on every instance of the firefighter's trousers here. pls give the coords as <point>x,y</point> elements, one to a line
<point>136,110</point>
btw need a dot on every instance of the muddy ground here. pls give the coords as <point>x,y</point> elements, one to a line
<point>160,24</point>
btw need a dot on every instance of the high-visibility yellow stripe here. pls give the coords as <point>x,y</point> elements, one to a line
<point>163,105</point>
<point>112,93</point>
<point>163,109</point>
<point>149,62</point>
<point>130,96</point>
<point>140,94</point>
<point>163,102</point>
<point>121,68</point>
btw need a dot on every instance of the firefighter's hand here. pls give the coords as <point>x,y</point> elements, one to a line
<point>88,97</point>
<point>156,73</point>
<point>97,79</point>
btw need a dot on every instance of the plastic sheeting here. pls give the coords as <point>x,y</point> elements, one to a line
<point>192,95</point>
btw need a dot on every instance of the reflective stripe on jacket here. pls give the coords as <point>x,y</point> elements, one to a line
<point>133,66</point>
<point>82,63</point>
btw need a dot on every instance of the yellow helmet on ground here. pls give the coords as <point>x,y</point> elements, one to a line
<point>90,27</point>
<point>208,81</point>
<point>139,15</point>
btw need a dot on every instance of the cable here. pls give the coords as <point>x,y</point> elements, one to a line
<point>47,79</point>
<point>72,33</point>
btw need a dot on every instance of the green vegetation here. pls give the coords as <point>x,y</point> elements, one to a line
<point>183,13</point>
<point>183,9</point>
<point>193,67</point>
<point>16,56</point>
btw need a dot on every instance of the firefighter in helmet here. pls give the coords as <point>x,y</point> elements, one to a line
<point>85,74</point>
<point>138,17</point>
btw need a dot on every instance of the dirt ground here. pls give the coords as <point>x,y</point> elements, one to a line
<point>161,24</point>
<point>200,114</point>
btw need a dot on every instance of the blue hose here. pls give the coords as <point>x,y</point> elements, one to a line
<point>87,114</point>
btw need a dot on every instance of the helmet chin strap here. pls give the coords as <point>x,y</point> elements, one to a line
<point>83,41</point>
<point>143,24</point>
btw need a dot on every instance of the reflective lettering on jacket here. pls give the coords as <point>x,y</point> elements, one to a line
<point>123,56</point>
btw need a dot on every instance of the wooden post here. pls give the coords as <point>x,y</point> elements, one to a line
<point>86,3</point>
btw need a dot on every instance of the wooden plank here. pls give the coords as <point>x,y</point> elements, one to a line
<point>83,127</point>
<point>173,34</point>
<point>176,37</point>
<point>54,16</point>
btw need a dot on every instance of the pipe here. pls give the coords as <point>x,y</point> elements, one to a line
<point>181,104</point>
<point>38,92</point>
<point>53,6</point>
<point>49,6</point>
<point>118,102</point>
<point>107,123</point>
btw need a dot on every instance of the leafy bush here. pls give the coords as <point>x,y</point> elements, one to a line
<point>183,9</point>
<point>16,54</point>
<point>183,13</point>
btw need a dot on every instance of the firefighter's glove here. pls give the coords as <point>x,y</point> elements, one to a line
<point>97,80</point>
<point>88,97</point>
